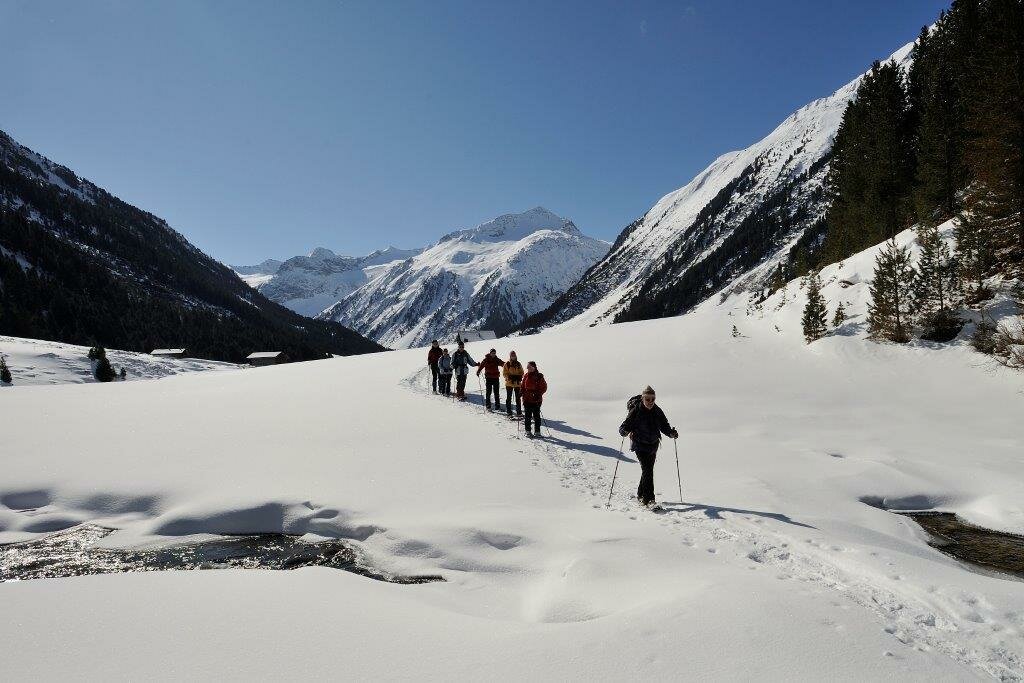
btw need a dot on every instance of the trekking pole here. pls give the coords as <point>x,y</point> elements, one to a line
<point>479,386</point>
<point>616,473</point>
<point>679,480</point>
<point>544,424</point>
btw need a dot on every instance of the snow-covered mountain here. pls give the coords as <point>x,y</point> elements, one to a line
<point>309,284</point>
<point>256,275</point>
<point>726,228</point>
<point>78,265</point>
<point>492,276</point>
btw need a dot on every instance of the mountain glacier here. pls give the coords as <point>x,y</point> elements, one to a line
<point>492,276</point>
<point>309,284</point>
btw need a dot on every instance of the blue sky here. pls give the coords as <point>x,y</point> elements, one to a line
<point>264,129</point>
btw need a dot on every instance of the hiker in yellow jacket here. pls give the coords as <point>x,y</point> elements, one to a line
<point>513,373</point>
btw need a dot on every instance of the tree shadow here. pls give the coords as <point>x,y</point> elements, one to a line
<point>715,512</point>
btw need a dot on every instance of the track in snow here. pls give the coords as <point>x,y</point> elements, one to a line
<point>956,624</point>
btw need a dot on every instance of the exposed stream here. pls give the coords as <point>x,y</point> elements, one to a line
<point>75,553</point>
<point>991,550</point>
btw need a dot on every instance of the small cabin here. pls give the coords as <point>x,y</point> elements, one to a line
<point>168,353</point>
<point>261,358</point>
<point>474,335</point>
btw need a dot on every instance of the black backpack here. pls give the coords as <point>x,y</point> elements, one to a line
<point>633,403</point>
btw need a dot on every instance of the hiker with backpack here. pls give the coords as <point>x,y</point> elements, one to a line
<point>444,370</point>
<point>644,425</point>
<point>533,387</point>
<point>461,360</point>
<point>491,367</point>
<point>513,372</point>
<point>433,356</point>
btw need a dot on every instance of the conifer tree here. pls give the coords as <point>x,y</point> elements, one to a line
<point>5,372</point>
<point>840,317</point>
<point>889,314</point>
<point>995,149</point>
<point>872,165</point>
<point>937,283</point>
<point>936,288</point>
<point>937,84</point>
<point>974,254</point>
<point>815,318</point>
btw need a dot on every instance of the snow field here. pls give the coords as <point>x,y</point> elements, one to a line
<point>772,567</point>
<point>36,361</point>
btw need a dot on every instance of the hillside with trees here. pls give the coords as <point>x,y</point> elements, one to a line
<point>79,265</point>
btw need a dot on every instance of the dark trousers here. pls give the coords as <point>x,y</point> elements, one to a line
<point>460,385</point>
<point>492,385</point>
<point>645,491</point>
<point>509,392</point>
<point>532,414</point>
<point>444,384</point>
<point>433,375</point>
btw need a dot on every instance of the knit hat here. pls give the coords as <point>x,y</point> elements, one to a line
<point>648,390</point>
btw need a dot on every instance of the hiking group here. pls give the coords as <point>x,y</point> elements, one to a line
<point>645,421</point>
<point>525,386</point>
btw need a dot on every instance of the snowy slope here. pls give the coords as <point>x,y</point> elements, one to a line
<point>745,210</point>
<point>35,361</point>
<point>256,275</point>
<point>489,277</point>
<point>309,284</point>
<point>774,568</point>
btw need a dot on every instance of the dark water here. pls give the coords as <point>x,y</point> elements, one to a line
<point>991,550</point>
<point>74,553</point>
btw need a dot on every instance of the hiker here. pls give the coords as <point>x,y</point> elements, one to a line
<point>432,357</point>
<point>644,426</point>
<point>461,360</point>
<point>444,370</point>
<point>513,372</point>
<point>491,367</point>
<point>533,388</point>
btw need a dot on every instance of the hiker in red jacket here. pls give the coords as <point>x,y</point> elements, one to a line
<point>434,355</point>
<point>491,366</point>
<point>533,389</point>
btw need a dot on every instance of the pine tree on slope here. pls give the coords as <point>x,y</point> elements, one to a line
<point>974,254</point>
<point>5,372</point>
<point>872,166</point>
<point>936,286</point>
<point>840,317</point>
<point>889,314</point>
<point>815,318</point>
<point>995,150</point>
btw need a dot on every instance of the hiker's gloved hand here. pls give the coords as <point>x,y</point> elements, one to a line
<point>622,432</point>
<point>674,434</point>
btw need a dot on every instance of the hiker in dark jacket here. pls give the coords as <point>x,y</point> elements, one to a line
<point>461,360</point>
<point>644,426</point>
<point>533,387</point>
<point>444,371</point>
<point>513,372</point>
<point>491,367</point>
<point>433,356</point>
